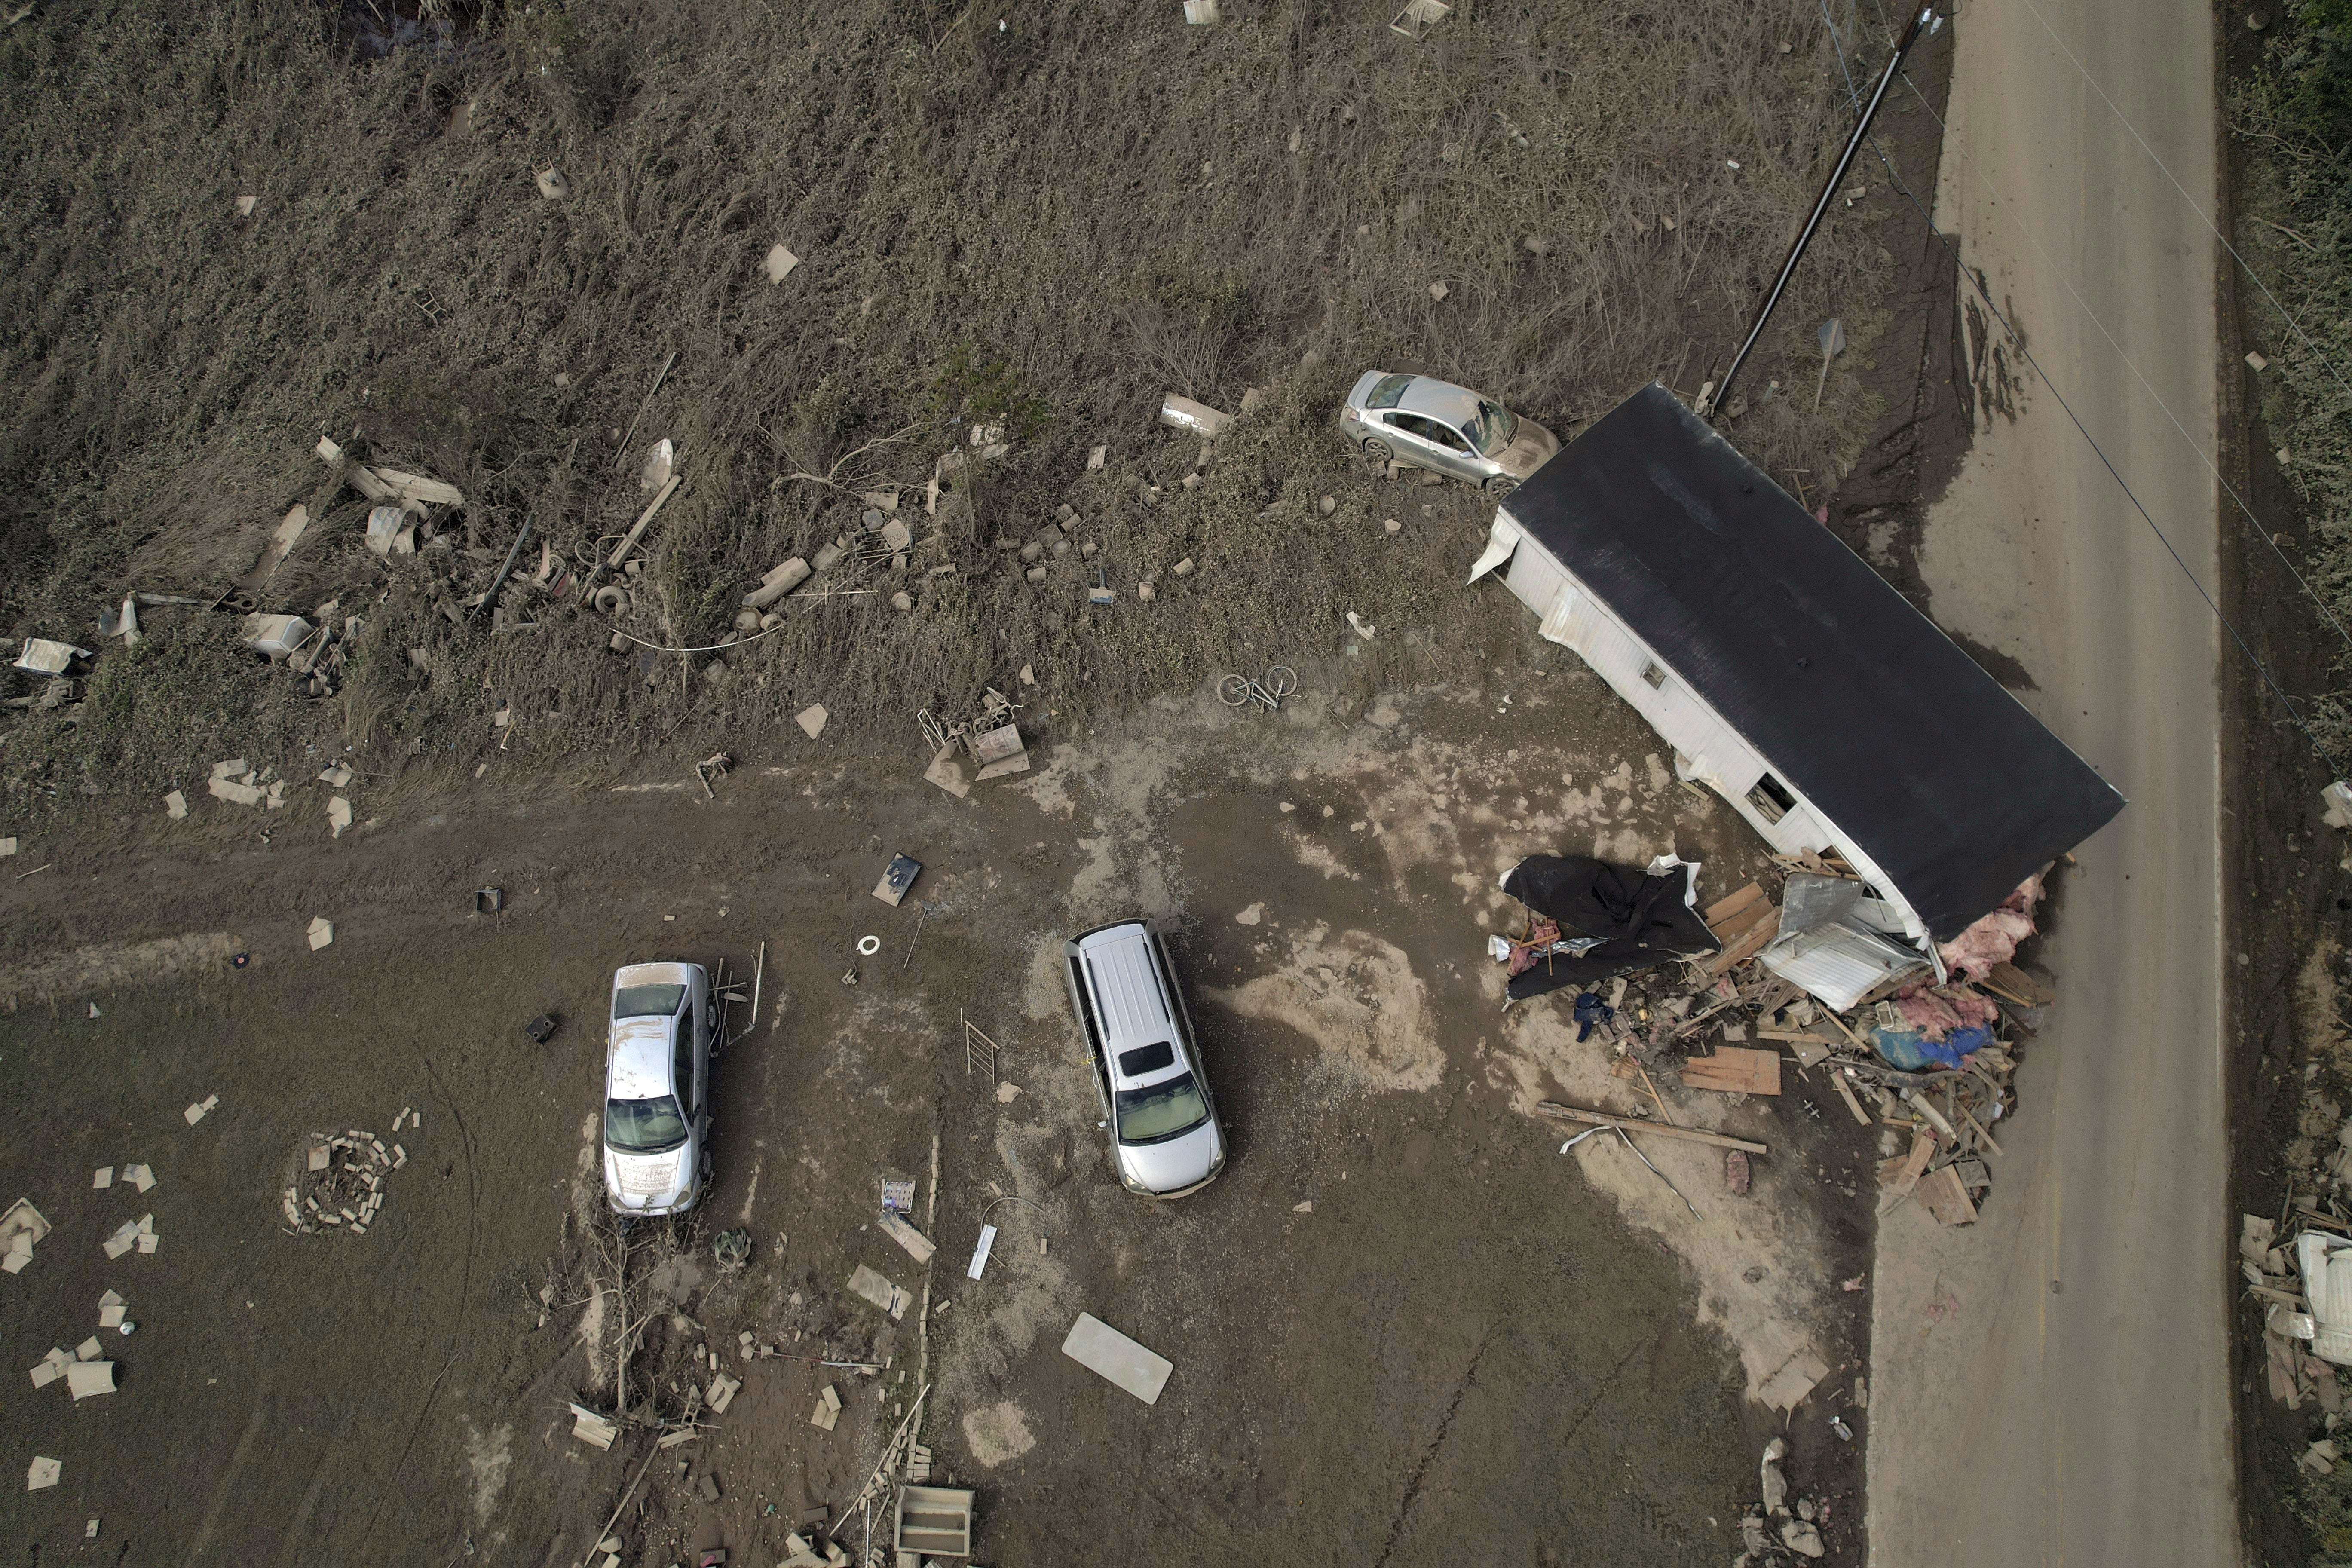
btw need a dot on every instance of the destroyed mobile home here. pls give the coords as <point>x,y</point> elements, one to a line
<point>1792,680</point>
<point>1914,805</point>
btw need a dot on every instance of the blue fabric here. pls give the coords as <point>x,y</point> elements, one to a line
<point>1906,1050</point>
<point>1590,1010</point>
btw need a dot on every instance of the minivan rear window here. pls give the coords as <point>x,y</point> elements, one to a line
<point>1164,1110</point>
<point>1146,1058</point>
<point>1387,391</point>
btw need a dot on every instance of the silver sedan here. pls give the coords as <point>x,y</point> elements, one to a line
<point>1448,429</point>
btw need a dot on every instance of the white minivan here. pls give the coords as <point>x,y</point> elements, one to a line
<point>1164,1138</point>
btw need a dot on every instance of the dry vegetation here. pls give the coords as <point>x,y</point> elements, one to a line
<point>1045,223</point>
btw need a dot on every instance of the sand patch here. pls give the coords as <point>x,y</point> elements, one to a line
<point>488,1456</point>
<point>113,964</point>
<point>1357,999</point>
<point>997,1434</point>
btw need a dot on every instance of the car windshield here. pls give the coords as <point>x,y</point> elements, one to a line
<point>644,1126</point>
<point>1161,1112</point>
<point>1493,428</point>
<point>647,1001</point>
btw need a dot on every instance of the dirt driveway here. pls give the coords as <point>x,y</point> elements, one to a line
<point>1405,1329</point>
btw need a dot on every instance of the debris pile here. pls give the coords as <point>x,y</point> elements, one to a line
<point>341,1184</point>
<point>1781,1530</point>
<point>2298,1271</point>
<point>1814,977</point>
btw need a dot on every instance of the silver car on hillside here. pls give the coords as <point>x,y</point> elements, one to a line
<point>1425,423</point>
<point>657,1089</point>
<point>1164,1138</point>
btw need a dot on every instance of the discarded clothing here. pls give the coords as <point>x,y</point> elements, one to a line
<point>1591,1010</point>
<point>1641,917</point>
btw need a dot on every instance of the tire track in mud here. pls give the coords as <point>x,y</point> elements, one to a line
<point>1429,1455</point>
<point>465,1290</point>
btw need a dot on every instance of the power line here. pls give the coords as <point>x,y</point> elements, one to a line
<point>2190,441</point>
<point>2017,341</point>
<point>2243,263</point>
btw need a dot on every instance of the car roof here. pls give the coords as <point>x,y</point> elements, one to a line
<point>638,1065</point>
<point>1130,1006</point>
<point>1456,406</point>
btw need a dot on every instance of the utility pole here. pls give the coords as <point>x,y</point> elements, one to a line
<point>1713,398</point>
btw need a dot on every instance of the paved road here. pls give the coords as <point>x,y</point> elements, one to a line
<point>2050,1387</point>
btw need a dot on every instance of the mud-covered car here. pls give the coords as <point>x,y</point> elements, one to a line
<point>657,1089</point>
<point>1430,423</point>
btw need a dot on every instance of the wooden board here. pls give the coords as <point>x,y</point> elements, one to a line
<point>1735,1069</point>
<point>1947,1197</point>
<point>1724,908</point>
<point>1748,943</point>
<point>1845,1088</point>
<point>2022,988</point>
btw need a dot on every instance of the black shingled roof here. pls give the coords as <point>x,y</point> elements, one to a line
<point>1854,697</point>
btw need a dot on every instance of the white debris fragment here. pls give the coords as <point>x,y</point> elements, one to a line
<point>322,931</point>
<point>103,1179</point>
<point>43,1473</point>
<point>86,1379</point>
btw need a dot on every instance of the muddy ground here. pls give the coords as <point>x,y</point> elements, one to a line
<point>1467,1345</point>
<point>2289,1051</point>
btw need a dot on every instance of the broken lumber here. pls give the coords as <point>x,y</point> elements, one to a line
<point>1845,1089</point>
<point>1559,1112</point>
<point>629,541</point>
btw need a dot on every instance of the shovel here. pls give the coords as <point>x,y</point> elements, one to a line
<point>1100,593</point>
<point>1832,338</point>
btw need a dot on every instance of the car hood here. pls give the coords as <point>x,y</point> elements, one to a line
<point>1530,449</point>
<point>1179,1162</point>
<point>648,1180</point>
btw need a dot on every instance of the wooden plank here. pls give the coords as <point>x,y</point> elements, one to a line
<point>1749,944</point>
<point>1840,1024</point>
<point>1737,924</point>
<point>1854,1104</point>
<point>1903,1178</point>
<point>1735,1069</point>
<point>416,487</point>
<point>1724,908</point>
<point>1559,1112</point>
<point>1983,1137</point>
<point>1947,1197</point>
<point>629,542</point>
<point>2021,988</point>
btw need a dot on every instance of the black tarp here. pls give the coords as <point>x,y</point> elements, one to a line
<point>1642,919</point>
<point>1893,733</point>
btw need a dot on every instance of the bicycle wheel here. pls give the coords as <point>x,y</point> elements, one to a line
<point>1232,691</point>
<point>1281,680</point>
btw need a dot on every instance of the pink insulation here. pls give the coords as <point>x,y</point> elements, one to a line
<point>1993,940</point>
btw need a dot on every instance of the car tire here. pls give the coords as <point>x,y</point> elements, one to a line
<point>1500,486</point>
<point>1379,452</point>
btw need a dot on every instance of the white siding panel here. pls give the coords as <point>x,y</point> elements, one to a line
<point>1535,577</point>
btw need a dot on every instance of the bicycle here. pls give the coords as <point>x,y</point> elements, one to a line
<point>1280,681</point>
